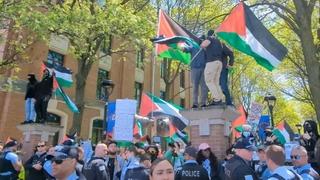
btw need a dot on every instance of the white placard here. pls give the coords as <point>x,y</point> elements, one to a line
<point>124,115</point>
<point>123,128</point>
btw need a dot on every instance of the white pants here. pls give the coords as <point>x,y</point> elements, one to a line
<point>212,77</point>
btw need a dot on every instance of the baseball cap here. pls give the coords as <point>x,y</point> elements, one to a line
<point>11,143</point>
<point>63,152</point>
<point>244,143</point>
<point>191,151</point>
<point>204,146</point>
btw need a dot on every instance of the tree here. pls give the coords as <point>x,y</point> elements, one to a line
<point>88,26</point>
<point>298,14</point>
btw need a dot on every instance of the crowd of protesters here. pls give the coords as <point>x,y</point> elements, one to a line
<point>67,161</point>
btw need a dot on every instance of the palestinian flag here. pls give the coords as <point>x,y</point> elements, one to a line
<point>63,75</point>
<point>181,136</point>
<point>66,99</point>
<point>283,132</point>
<point>236,125</point>
<point>168,28</point>
<point>153,106</point>
<point>243,31</point>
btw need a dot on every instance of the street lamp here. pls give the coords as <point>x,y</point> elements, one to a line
<point>299,127</point>
<point>271,101</point>
<point>108,86</point>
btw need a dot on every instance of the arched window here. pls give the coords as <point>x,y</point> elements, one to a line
<point>97,130</point>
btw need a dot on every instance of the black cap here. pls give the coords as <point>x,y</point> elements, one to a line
<point>63,152</point>
<point>245,143</point>
<point>10,144</point>
<point>191,151</point>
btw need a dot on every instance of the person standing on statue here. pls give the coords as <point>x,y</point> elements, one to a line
<point>227,64</point>
<point>198,63</point>
<point>43,94</point>
<point>30,112</point>
<point>214,52</point>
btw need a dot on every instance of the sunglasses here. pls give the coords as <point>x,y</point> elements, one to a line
<point>296,157</point>
<point>58,161</point>
<point>41,146</point>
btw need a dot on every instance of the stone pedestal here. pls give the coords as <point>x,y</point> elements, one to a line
<point>211,125</point>
<point>34,133</point>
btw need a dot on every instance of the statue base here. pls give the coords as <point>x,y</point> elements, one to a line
<point>211,125</point>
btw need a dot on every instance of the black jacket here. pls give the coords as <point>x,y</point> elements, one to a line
<point>44,88</point>
<point>34,174</point>
<point>192,171</point>
<point>137,173</point>
<point>96,169</point>
<point>237,168</point>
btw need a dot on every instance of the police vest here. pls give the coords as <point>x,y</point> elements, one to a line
<point>277,176</point>
<point>192,171</point>
<point>311,173</point>
<point>5,164</point>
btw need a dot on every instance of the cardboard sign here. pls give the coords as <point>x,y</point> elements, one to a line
<point>254,115</point>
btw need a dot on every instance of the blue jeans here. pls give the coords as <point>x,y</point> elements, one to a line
<point>197,77</point>
<point>224,85</point>
<point>30,112</point>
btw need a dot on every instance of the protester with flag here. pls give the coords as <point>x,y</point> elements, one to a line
<point>43,94</point>
<point>197,65</point>
<point>214,52</point>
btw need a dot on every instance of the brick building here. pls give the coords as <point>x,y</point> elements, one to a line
<point>131,77</point>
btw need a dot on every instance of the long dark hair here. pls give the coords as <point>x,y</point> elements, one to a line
<point>212,158</point>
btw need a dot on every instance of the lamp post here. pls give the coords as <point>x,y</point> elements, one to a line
<point>271,101</point>
<point>108,86</point>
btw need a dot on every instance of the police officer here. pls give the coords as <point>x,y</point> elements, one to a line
<point>275,161</point>
<point>96,167</point>
<point>299,157</point>
<point>10,164</point>
<point>191,169</point>
<point>238,167</point>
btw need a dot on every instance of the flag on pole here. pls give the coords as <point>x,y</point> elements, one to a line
<point>168,28</point>
<point>243,31</point>
<point>154,106</point>
<point>63,75</point>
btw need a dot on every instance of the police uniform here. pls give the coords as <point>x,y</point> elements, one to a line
<point>7,170</point>
<point>96,169</point>
<point>191,170</point>
<point>237,168</point>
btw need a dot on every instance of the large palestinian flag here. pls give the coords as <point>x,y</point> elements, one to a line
<point>243,31</point>
<point>154,106</point>
<point>168,28</point>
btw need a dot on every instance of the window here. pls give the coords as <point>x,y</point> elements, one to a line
<point>162,69</point>
<point>182,79</point>
<point>55,58</point>
<point>140,57</point>
<point>102,74</point>
<point>162,94</point>
<point>138,91</point>
<point>182,102</point>
<point>97,130</point>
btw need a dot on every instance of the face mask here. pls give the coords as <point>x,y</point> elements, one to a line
<point>246,134</point>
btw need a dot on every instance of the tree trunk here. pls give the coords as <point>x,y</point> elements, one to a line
<point>303,16</point>
<point>81,77</point>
